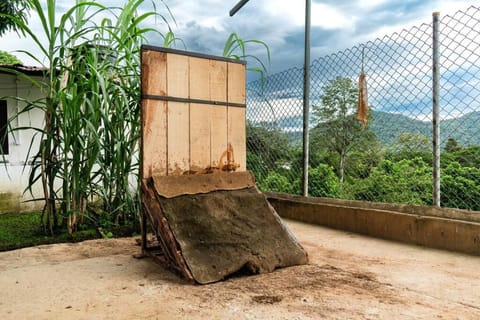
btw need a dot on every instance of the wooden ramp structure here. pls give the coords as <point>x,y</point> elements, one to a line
<point>208,218</point>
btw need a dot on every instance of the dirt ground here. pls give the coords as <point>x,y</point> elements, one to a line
<point>349,277</point>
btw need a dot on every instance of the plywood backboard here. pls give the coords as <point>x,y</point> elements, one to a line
<point>193,113</point>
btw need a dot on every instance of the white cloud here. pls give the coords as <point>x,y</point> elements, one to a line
<point>205,24</point>
<point>329,17</point>
<point>369,4</point>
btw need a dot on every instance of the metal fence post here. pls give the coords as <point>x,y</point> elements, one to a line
<point>306,96</point>
<point>435,120</point>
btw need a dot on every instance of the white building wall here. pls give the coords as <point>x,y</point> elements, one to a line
<point>15,167</point>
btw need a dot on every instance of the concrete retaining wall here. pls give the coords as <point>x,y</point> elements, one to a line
<point>460,234</point>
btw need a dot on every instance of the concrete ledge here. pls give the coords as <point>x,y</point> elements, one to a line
<point>432,231</point>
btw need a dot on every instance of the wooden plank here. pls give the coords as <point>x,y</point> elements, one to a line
<point>154,73</point>
<point>154,138</point>
<point>173,186</point>
<point>218,80</point>
<point>177,75</point>
<point>237,116</point>
<point>237,136</point>
<point>200,115</point>
<point>218,114</point>
<point>178,140</point>
<point>199,78</point>
<point>200,142</point>
<point>178,119</point>
<point>218,132</point>
<point>236,83</point>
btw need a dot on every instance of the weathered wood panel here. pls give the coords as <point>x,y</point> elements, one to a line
<point>199,78</point>
<point>178,119</point>
<point>154,138</point>
<point>219,143</point>
<point>178,140</point>
<point>154,73</point>
<point>200,142</point>
<point>198,137</point>
<point>208,225</point>
<point>237,136</point>
<point>218,92</point>
<point>217,73</point>
<point>153,124</point>
<point>236,83</point>
<point>200,115</point>
<point>236,115</point>
<point>178,73</point>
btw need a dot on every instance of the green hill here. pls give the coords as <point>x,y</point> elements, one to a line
<point>387,127</point>
<point>464,129</point>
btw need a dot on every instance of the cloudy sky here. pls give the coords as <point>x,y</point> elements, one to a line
<point>204,25</point>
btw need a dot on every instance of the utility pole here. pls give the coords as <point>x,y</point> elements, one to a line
<point>306,96</point>
<point>237,7</point>
<point>306,86</point>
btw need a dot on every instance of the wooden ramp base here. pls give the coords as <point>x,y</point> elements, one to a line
<point>219,230</point>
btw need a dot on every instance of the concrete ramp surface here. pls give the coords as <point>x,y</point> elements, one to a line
<point>219,225</point>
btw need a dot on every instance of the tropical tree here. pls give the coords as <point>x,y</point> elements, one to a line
<point>268,147</point>
<point>452,145</point>
<point>460,187</point>
<point>12,11</point>
<point>467,157</point>
<point>276,182</point>
<point>410,145</point>
<point>8,59</point>
<point>322,182</point>
<point>337,129</point>
<point>405,181</point>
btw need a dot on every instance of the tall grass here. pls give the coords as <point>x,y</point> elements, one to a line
<point>89,141</point>
<point>237,48</point>
<point>88,149</point>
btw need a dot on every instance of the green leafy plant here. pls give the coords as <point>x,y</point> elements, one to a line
<point>89,144</point>
<point>276,182</point>
<point>88,150</point>
<point>236,48</point>
<point>8,59</point>
<point>12,8</point>
<point>336,122</point>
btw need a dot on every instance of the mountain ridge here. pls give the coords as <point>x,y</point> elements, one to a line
<point>387,126</point>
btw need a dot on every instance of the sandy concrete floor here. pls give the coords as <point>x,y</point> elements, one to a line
<point>349,277</point>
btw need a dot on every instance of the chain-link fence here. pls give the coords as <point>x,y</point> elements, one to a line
<point>389,160</point>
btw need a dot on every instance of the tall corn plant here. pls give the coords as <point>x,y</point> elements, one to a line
<point>237,48</point>
<point>90,137</point>
<point>52,159</point>
<point>89,143</point>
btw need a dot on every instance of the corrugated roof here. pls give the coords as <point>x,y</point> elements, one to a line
<point>30,70</point>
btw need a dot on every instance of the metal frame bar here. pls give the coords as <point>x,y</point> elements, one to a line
<point>306,96</point>
<point>436,107</point>
<point>237,7</point>
<point>191,54</point>
<point>190,100</point>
